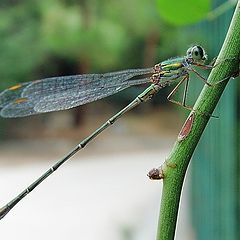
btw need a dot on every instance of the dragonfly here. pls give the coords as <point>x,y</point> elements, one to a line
<point>60,93</point>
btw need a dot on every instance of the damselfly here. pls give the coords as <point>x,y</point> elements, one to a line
<point>59,93</point>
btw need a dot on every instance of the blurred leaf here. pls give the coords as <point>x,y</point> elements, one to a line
<point>183,12</point>
<point>61,29</point>
<point>103,43</point>
<point>139,17</point>
<point>38,36</point>
<point>21,51</point>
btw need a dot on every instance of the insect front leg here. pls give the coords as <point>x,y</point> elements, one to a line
<point>211,65</point>
<point>200,77</point>
<point>183,103</point>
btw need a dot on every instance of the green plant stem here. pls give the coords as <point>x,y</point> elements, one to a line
<point>175,167</point>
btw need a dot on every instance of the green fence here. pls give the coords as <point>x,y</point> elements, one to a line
<point>214,165</point>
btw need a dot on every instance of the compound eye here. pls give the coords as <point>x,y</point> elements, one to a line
<point>197,53</point>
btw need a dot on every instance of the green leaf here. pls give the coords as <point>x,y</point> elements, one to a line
<point>183,12</point>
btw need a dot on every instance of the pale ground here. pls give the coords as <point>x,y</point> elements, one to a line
<point>101,194</point>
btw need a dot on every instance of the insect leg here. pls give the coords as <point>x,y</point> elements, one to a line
<point>183,103</point>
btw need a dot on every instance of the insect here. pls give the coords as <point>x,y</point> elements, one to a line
<point>59,93</point>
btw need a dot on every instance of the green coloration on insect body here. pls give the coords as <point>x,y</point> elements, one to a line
<point>176,67</point>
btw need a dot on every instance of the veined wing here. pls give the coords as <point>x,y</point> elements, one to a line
<point>59,93</point>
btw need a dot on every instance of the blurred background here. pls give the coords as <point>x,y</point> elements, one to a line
<point>103,192</point>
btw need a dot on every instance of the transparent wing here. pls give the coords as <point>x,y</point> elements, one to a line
<point>58,93</point>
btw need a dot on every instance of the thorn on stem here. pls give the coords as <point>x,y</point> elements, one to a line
<point>156,174</point>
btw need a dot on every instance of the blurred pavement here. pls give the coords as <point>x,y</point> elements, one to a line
<point>103,193</point>
<point>97,195</point>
